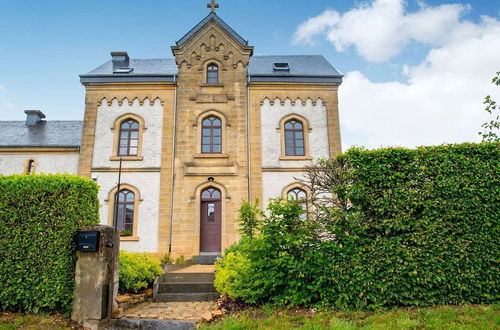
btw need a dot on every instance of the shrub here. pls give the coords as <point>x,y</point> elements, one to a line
<point>137,271</point>
<point>403,228</point>
<point>248,219</point>
<point>167,259</point>
<point>39,215</point>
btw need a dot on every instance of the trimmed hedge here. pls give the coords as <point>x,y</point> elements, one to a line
<point>422,228</point>
<point>39,215</point>
<point>137,271</point>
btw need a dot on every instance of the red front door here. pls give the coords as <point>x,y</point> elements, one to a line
<point>210,231</point>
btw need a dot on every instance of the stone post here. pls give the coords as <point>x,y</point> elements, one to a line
<point>92,277</point>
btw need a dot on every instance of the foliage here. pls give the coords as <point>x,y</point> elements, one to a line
<point>39,215</point>
<point>489,134</point>
<point>390,227</point>
<point>137,271</point>
<point>248,218</point>
<point>182,260</point>
<point>167,259</point>
<point>441,317</point>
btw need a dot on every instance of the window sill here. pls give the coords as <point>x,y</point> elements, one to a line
<point>212,85</point>
<point>296,158</point>
<point>126,158</point>
<point>223,155</point>
<point>129,238</point>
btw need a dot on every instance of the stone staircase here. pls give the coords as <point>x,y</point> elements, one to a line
<point>191,283</point>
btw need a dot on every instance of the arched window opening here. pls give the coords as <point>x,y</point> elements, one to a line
<point>212,74</point>
<point>299,195</point>
<point>294,138</point>
<point>30,168</point>
<point>210,194</point>
<point>124,214</point>
<point>211,137</point>
<point>129,138</point>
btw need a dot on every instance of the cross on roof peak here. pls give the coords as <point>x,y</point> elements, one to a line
<point>212,5</point>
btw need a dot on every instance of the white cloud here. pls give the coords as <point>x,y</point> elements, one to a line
<point>380,30</point>
<point>2,88</point>
<point>442,102</point>
<point>442,99</point>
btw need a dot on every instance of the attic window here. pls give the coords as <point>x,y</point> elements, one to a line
<point>122,70</point>
<point>281,67</point>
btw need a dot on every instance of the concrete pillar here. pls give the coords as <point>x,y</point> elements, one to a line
<point>92,276</point>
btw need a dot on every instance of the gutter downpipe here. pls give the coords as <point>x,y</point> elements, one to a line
<point>174,137</point>
<point>249,192</point>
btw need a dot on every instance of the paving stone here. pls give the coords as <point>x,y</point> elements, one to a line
<point>186,311</point>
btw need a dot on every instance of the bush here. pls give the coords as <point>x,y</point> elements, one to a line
<point>404,228</point>
<point>39,215</point>
<point>137,271</point>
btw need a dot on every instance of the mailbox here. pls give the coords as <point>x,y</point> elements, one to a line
<point>87,241</point>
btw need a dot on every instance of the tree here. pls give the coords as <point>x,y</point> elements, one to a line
<point>489,134</point>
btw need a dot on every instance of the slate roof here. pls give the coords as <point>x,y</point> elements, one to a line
<point>303,68</point>
<point>313,68</point>
<point>44,134</point>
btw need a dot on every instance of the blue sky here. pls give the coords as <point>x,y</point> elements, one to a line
<point>44,45</point>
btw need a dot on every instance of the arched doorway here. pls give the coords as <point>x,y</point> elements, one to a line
<point>210,226</point>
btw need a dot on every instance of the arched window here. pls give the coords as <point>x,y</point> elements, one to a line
<point>211,136</point>
<point>125,212</point>
<point>300,195</point>
<point>294,138</point>
<point>30,167</point>
<point>129,138</point>
<point>212,74</point>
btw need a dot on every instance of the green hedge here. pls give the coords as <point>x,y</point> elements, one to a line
<point>422,228</point>
<point>39,215</point>
<point>137,271</point>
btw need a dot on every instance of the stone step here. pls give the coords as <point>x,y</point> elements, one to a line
<point>206,259</point>
<point>186,297</point>
<point>186,287</point>
<point>187,277</point>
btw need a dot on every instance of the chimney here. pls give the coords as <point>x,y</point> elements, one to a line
<point>120,60</point>
<point>33,117</point>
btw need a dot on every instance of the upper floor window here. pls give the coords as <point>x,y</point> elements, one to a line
<point>129,138</point>
<point>294,138</point>
<point>212,74</point>
<point>211,137</point>
<point>125,212</point>
<point>300,196</point>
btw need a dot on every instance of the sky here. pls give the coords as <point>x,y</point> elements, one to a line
<point>416,72</point>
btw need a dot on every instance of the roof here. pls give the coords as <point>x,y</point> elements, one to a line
<point>44,134</point>
<point>205,21</point>
<point>156,69</point>
<point>303,68</point>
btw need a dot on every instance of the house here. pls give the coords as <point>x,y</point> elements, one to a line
<point>194,136</point>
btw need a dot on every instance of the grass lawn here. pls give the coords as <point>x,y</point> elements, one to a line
<point>23,321</point>
<point>443,317</point>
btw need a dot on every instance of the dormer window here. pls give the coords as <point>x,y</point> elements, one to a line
<point>281,67</point>
<point>212,74</point>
